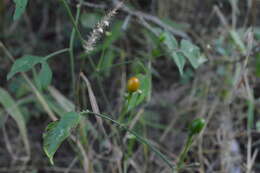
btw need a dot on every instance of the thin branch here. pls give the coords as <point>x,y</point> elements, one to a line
<point>139,138</point>
<point>92,5</point>
<point>154,19</point>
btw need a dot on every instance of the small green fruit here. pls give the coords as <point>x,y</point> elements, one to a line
<point>196,126</point>
<point>162,38</point>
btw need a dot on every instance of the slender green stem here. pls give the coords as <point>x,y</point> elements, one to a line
<point>56,53</point>
<point>97,72</point>
<point>72,20</point>
<point>125,108</point>
<point>250,115</point>
<point>71,51</point>
<point>94,67</point>
<point>139,138</point>
<point>101,58</point>
<point>184,152</point>
<point>103,93</point>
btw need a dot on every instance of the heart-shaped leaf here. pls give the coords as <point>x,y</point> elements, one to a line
<point>57,132</point>
<point>24,64</point>
<point>44,78</point>
<point>192,52</point>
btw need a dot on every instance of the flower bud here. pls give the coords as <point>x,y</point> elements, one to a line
<point>196,126</point>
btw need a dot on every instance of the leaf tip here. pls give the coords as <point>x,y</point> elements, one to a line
<point>48,155</point>
<point>9,76</point>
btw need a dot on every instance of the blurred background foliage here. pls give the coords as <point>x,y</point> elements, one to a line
<point>198,58</point>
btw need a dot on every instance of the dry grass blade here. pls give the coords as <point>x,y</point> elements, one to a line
<point>66,104</point>
<point>93,102</point>
<point>83,153</point>
<point>11,107</point>
<point>221,17</point>
<point>8,144</point>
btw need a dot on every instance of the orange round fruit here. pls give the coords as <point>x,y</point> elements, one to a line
<point>133,84</point>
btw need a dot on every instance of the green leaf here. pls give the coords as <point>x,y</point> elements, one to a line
<point>57,132</point>
<point>115,34</point>
<point>13,110</point>
<point>257,33</point>
<point>180,60</point>
<point>172,47</point>
<point>145,90</point>
<point>192,52</point>
<point>237,39</point>
<point>19,87</point>
<point>258,126</point>
<point>146,87</point>
<point>153,38</point>
<point>257,65</point>
<point>20,6</point>
<point>138,67</point>
<point>2,118</point>
<point>24,64</point>
<point>44,78</point>
<point>170,41</point>
<point>106,62</point>
<point>187,76</point>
